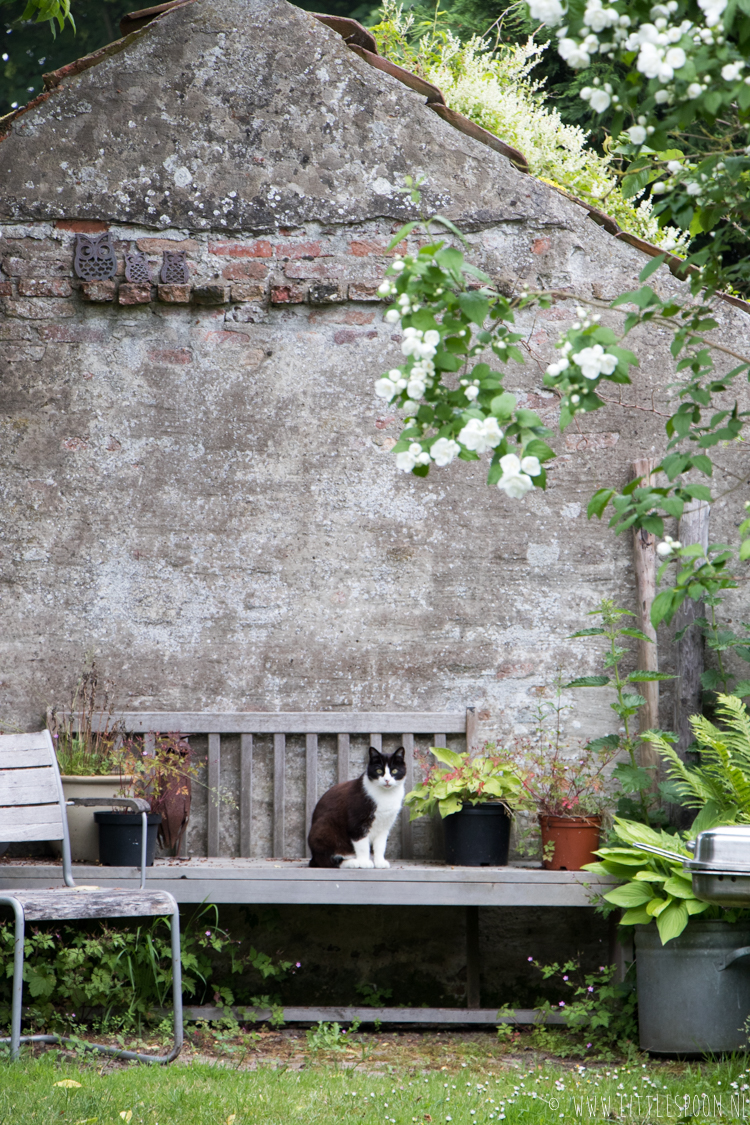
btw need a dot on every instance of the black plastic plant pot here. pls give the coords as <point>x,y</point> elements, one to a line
<point>478,836</point>
<point>120,838</point>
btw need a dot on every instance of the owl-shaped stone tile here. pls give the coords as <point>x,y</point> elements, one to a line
<point>137,268</point>
<point>174,270</point>
<point>95,257</point>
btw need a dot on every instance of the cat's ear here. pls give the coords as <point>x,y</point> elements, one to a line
<point>375,755</point>
<point>400,754</point>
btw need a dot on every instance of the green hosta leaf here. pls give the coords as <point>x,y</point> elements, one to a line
<point>672,921</point>
<point>657,906</point>
<point>447,757</point>
<point>649,877</point>
<point>589,681</point>
<point>631,894</point>
<point>637,916</point>
<point>679,887</point>
<point>695,906</point>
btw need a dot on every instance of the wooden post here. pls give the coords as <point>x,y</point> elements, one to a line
<point>644,562</point>
<point>693,528</point>
<point>471,730</point>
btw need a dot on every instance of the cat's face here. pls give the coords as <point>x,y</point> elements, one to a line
<point>387,770</point>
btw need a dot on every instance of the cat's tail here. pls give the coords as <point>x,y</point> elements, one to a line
<point>319,859</point>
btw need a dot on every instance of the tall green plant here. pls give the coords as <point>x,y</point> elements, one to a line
<point>719,787</point>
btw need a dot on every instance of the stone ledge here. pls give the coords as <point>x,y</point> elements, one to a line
<point>98,291</point>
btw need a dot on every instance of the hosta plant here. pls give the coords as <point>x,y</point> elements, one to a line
<point>654,888</point>
<point>457,780</point>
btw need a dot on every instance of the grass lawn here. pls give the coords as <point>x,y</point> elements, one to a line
<point>289,1076</point>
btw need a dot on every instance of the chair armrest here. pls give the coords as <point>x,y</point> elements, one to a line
<point>137,804</point>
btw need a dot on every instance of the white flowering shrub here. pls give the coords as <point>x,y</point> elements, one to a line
<point>681,112</point>
<point>453,400</point>
<point>496,90</point>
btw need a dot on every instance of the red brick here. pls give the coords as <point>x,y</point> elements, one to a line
<point>44,287</point>
<point>40,308</point>
<point>175,294</point>
<point>211,294</point>
<point>74,444</point>
<point>361,248</point>
<point>72,334</point>
<point>171,355</point>
<point>287,294</point>
<point>132,294</point>
<point>98,291</point>
<point>82,226</point>
<point>18,330</point>
<point>248,291</point>
<point>364,293</point>
<point>240,271</point>
<point>299,250</point>
<point>259,249</point>
<point>42,267</point>
<point>349,336</point>
<point>540,245</point>
<point>6,288</point>
<point>156,245</point>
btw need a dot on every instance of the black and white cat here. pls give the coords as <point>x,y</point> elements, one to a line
<point>356,815</point>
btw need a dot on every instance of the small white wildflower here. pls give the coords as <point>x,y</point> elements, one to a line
<point>547,11</point>
<point>481,435</point>
<point>637,134</point>
<point>397,266</point>
<point>392,316</point>
<point>444,450</point>
<point>407,458</point>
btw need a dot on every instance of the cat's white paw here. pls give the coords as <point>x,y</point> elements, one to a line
<point>381,863</point>
<point>357,863</point>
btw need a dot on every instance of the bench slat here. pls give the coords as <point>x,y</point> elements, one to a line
<point>407,838</point>
<point>287,722</point>
<point>214,781</point>
<point>35,822</point>
<point>311,781</point>
<point>279,793</point>
<point>34,740</point>
<point>343,760</point>
<point>28,787</point>
<point>77,903</point>
<point>19,758</point>
<point>246,795</point>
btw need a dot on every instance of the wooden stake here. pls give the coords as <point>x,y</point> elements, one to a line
<point>644,561</point>
<point>693,528</point>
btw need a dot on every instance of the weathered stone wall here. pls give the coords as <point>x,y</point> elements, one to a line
<point>197,484</point>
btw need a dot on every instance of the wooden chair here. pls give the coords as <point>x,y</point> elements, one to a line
<point>32,807</point>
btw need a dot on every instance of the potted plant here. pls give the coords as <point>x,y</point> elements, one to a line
<point>160,771</point>
<point>85,739</point>
<point>473,798</point>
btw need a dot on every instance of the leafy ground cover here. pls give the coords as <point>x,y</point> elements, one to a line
<point>236,1077</point>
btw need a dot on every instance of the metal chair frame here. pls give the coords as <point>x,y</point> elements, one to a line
<point>109,909</point>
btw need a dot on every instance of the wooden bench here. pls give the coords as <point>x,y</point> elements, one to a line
<point>280,878</point>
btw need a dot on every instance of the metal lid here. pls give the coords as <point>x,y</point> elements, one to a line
<point>726,849</point>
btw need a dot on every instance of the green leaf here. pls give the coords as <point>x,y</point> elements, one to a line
<point>447,757</point>
<point>401,234</point>
<point>636,634</point>
<point>474,306</point>
<point>652,267</point>
<point>502,406</point>
<point>679,887</point>
<point>595,632</point>
<point>599,501</point>
<point>637,916</point>
<point>589,681</point>
<point>630,894</point>
<point>648,677</point>
<point>672,921</point>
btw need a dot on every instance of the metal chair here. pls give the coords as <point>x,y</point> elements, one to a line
<point>33,807</point>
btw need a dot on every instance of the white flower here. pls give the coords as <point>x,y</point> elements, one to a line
<point>573,53</point>
<point>712,10</point>
<point>668,546</point>
<point>415,388</point>
<point>444,450</point>
<point>481,435</point>
<point>637,135</point>
<point>471,393</point>
<point>674,166</point>
<point>548,11</point>
<point>675,57</point>
<point>385,288</point>
<point>694,189</point>
<point>407,458</point>
<point>594,362</point>
<point>410,407</point>
<point>650,61</point>
<point>600,100</point>
<point>531,466</point>
<point>392,316</point>
<point>732,71</point>
<point>432,337</point>
<point>384,388</point>
<point>514,482</point>
<point>397,266</point>
<point>661,96</point>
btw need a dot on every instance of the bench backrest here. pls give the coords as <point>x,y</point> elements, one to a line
<point>32,806</point>
<point>247,724</point>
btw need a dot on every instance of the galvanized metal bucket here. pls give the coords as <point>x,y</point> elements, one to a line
<point>693,992</point>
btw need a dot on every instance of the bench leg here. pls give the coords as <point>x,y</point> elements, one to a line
<point>15,1022</point>
<point>472,957</point>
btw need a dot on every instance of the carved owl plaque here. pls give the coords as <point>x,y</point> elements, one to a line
<point>174,270</point>
<point>137,268</point>
<point>95,257</point>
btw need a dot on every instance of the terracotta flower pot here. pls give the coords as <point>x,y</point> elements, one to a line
<point>575,840</point>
